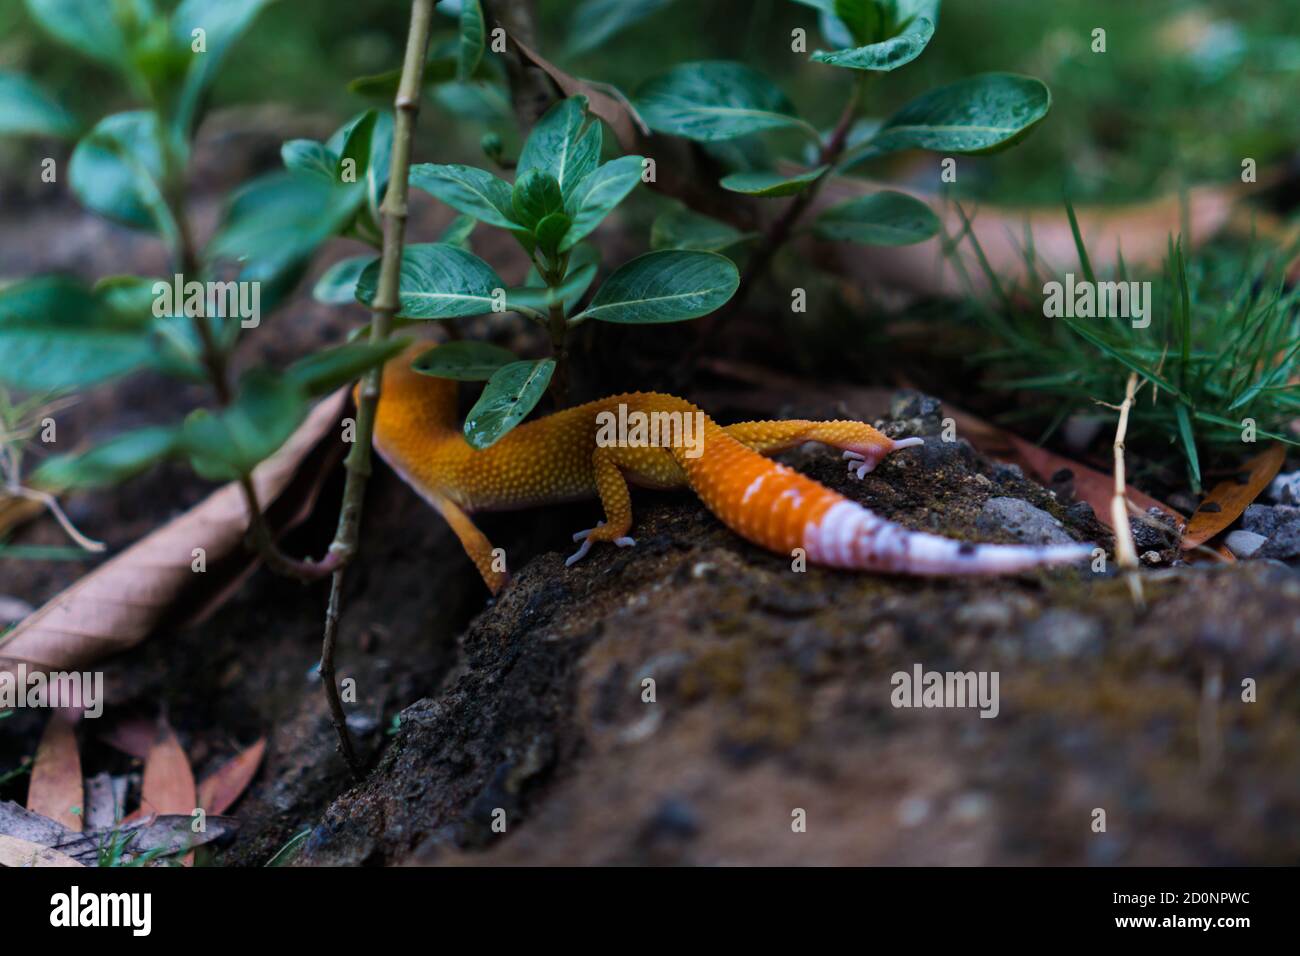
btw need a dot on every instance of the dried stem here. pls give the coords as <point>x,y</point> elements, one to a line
<point>1125,549</point>
<point>385,306</point>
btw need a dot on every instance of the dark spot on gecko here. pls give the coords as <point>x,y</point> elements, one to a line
<point>1242,477</point>
<point>1211,507</point>
<point>966,549</point>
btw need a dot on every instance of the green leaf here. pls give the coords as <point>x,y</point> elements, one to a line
<point>366,140</point>
<point>338,286</point>
<point>458,231</point>
<point>596,196</point>
<point>539,298</point>
<point>230,443</point>
<point>771,185</point>
<point>325,371</point>
<point>981,114</point>
<point>472,36</point>
<point>57,334</point>
<point>510,394</point>
<point>474,192</point>
<point>881,219</point>
<point>111,463</point>
<point>536,195</point>
<point>595,21</point>
<point>438,281</point>
<point>561,146</point>
<point>681,228</point>
<point>283,217</point>
<point>715,100</point>
<point>223,23</point>
<point>104,30</point>
<point>887,54</point>
<point>309,156</point>
<point>478,101</point>
<point>550,231</point>
<point>667,286</point>
<point>1189,446</point>
<point>27,110</point>
<point>464,361</point>
<point>116,169</point>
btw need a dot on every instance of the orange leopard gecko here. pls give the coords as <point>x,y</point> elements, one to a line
<point>562,457</point>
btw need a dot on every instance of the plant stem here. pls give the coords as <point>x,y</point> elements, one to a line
<point>783,227</point>
<point>385,306</point>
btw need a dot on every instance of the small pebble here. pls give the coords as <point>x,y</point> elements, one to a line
<point>1244,544</point>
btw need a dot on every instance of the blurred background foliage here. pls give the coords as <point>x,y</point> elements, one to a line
<point>1184,91</point>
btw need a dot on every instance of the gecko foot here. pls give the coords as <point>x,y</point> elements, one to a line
<point>585,537</point>
<point>859,464</point>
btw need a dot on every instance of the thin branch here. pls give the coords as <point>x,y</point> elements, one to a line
<point>385,306</point>
<point>1125,548</point>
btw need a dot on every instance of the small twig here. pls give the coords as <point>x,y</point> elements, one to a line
<point>1125,548</point>
<point>384,308</point>
<point>52,505</point>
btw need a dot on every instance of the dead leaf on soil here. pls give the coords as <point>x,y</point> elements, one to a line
<point>168,783</point>
<point>20,853</point>
<point>117,605</point>
<point>133,737</point>
<point>105,800</point>
<point>219,791</point>
<point>167,835</point>
<point>1233,496</point>
<point>56,790</point>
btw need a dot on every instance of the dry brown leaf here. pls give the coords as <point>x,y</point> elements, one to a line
<point>105,800</point>
<point>133,737</point>
<point>19,853</point>
<point>1140,231</point>
<point>168,783</point>
<point>16,511</point>
<point>219,791</point>
<point>611,110</point>
<point>56,789</point>
<point>117,605</point>
<point>1090,485</point>
<point>1233,496</point>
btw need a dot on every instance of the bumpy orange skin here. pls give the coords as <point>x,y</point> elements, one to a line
<point>559,458</point>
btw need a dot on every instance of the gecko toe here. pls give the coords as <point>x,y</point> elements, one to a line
<point>578,555</point>
<point>625,542</point>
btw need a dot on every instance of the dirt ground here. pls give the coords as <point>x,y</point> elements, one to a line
<point>771,687</point>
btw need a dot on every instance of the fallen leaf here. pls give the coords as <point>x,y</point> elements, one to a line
<point>133,737</point>
<point>1230,498</point>
<point>117,605</point>
<point>20,853</point>
<point>167,835</point>
<point>15,511</point>
<point>105,800</point>
<point>219,791</point>
<point>168,782</point>
<point>56,790</point>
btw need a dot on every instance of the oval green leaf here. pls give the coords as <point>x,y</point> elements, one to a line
<point>464,361</point>
<point>111,463</point>
<point>881,219</point>
<point>682,228</point>
<point>667,286</point>
<point>771,185</point>
<point>510,394</point>
<point>333,368</point>
<point>474,192</point>
<point>562,144</point>
<point>116,168</point>
<point>338,286</point>
<point>981,114</point>
<point>596,196</point>
<point>438,281</point>
<point>715,100</point>
<point>27,110</point>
